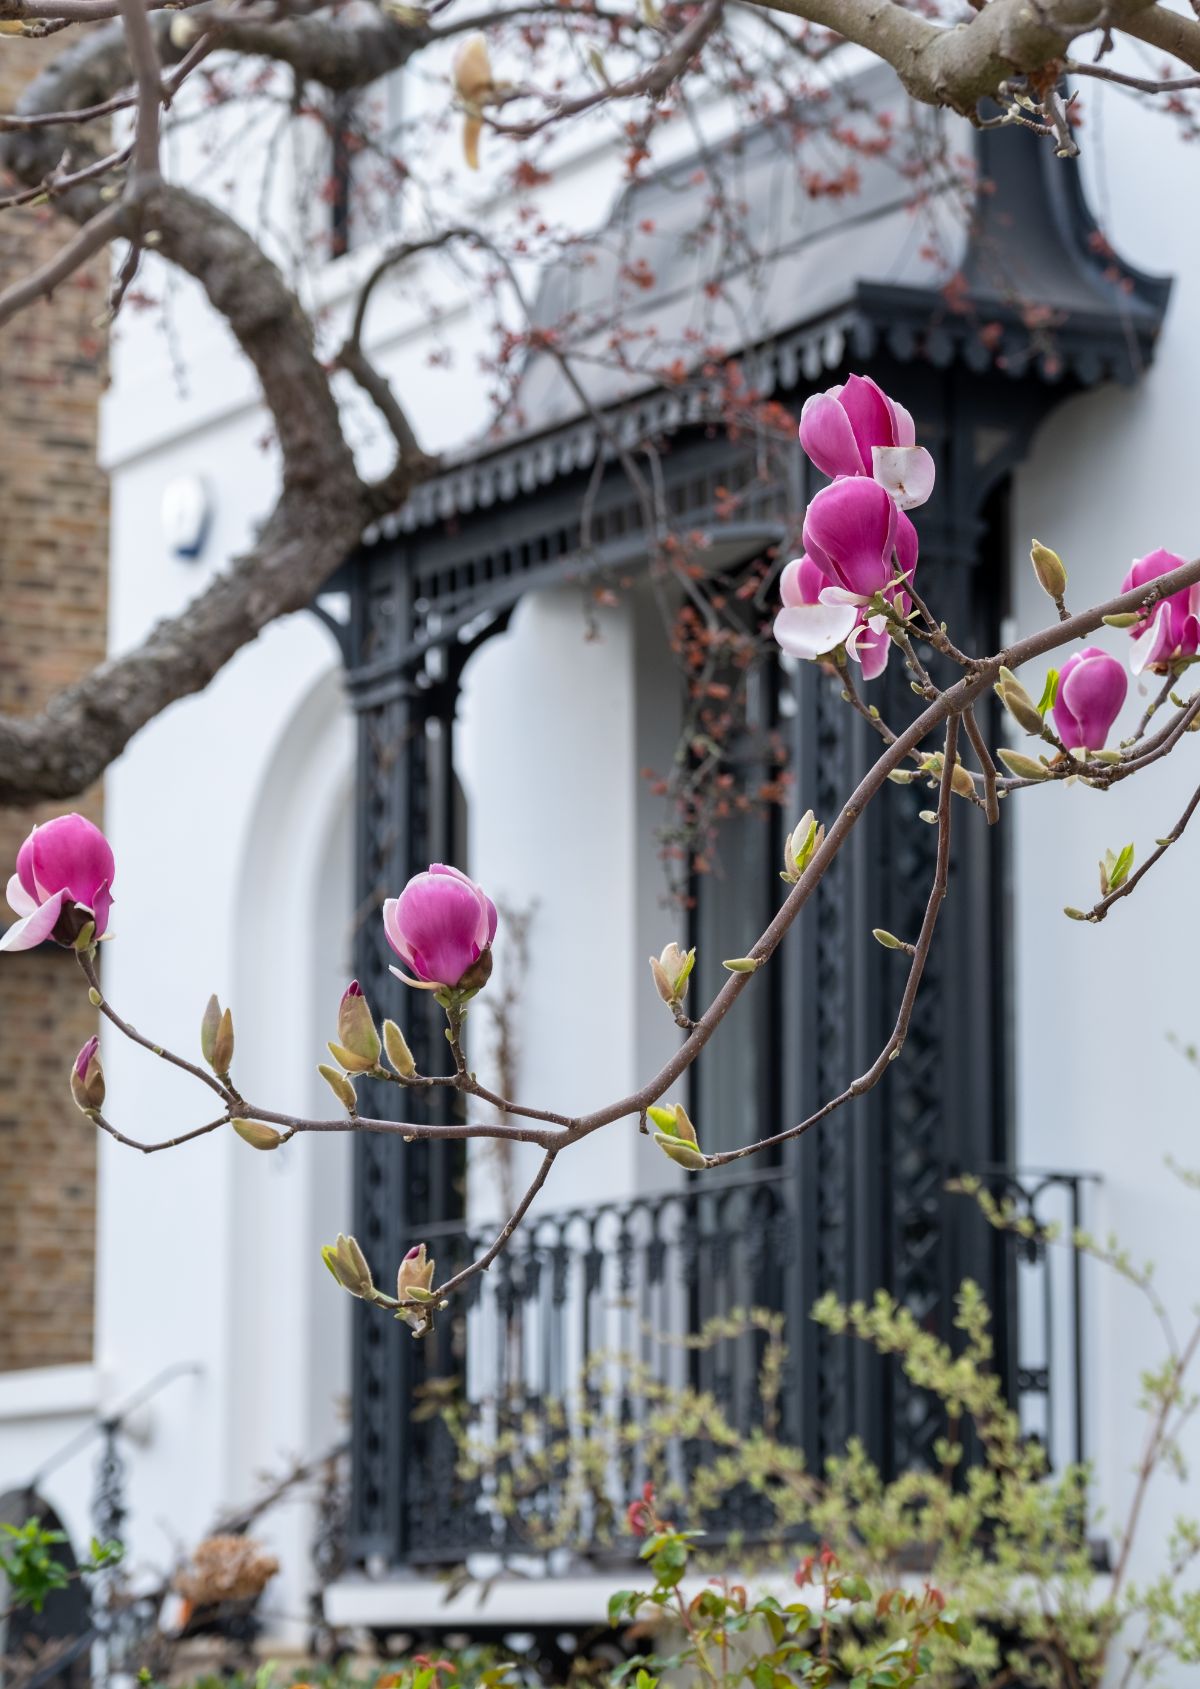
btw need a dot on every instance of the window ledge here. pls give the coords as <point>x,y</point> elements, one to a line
<point>49,1392</point>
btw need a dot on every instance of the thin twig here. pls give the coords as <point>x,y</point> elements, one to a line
<point>167,1143</point>
<point>506,1231</point>
<point>920,951</point>
<point>991,801</point>
<point>225,1092</point>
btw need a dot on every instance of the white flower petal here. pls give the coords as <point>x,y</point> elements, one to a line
<point>906,472</point>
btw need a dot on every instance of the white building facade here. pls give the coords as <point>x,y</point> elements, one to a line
<point>467,698</point>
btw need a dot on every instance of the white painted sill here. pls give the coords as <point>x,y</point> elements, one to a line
<point>49,1392</point>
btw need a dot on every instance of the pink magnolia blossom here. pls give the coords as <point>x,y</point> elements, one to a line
<point>854,536</point>
<point>1172,628</point>
<point>64,877</point>
<point>856,429</point>
<point>440,926</point>
<point>1091,690</point>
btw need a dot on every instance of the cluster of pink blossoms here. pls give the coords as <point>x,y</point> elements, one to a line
<point>859,545</point>
<point>858,542</point>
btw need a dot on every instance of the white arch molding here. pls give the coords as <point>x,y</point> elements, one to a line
<point>289,1327</point>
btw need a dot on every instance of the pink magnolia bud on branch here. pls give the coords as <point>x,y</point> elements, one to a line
<point>87,1078</point>
<point>441,927</point>
<point>358,1047</point>
<point>414,1283</point>
<point>1091,691</point>
<point>62,887</point>
<point>414,1280</point>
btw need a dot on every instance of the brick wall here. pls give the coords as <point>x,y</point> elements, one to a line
<point>53,585</point>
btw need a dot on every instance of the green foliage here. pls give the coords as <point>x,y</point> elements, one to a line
<point>987,1531</point>
<point>721,1637</point>
<point>32,1568</point>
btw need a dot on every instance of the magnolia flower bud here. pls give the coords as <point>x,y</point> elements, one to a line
<point>216,1037</point>
<point>1048,567</point>
<point>799,846</point>
<point>209,1023</point>
<point>257,1134</point>
<point>1018,703</point>
<point>961,781</point>
<point>671,971</point>
<point>441,927</point>
<point>358,1046</point>
<point>1025,768</point>
<point>398,1052</point>
<point>62,887</point>
<point>341,1087</point>
<point>414,1281</point>
<point>348,1265</point>
<point>87,1078</point>
<point>887,939</point>
<point>223,1046</point>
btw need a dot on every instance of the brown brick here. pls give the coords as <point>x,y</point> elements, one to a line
<point>53,588</point>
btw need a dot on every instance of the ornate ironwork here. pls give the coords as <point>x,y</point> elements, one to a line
<point>627,1281</point>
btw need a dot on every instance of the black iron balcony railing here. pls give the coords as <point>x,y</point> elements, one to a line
<point>630,1281</point>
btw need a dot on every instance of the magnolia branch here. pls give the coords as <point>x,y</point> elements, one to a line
<point>950,710</point>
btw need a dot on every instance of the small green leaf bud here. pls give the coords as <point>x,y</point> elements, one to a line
<point>348,1265</point>
<point>742,965</point>
<point>887,939</point>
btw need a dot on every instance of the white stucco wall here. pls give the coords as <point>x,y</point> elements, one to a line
<point>1110,477</point>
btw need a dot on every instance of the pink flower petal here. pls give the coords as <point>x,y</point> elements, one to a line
<point>873,651</point>
<point>19,900</point>
<point>1156,643</point>
<point>36,928</point>
<point>871,415</point>
<point>852,523</point>
<point>828,438</point>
